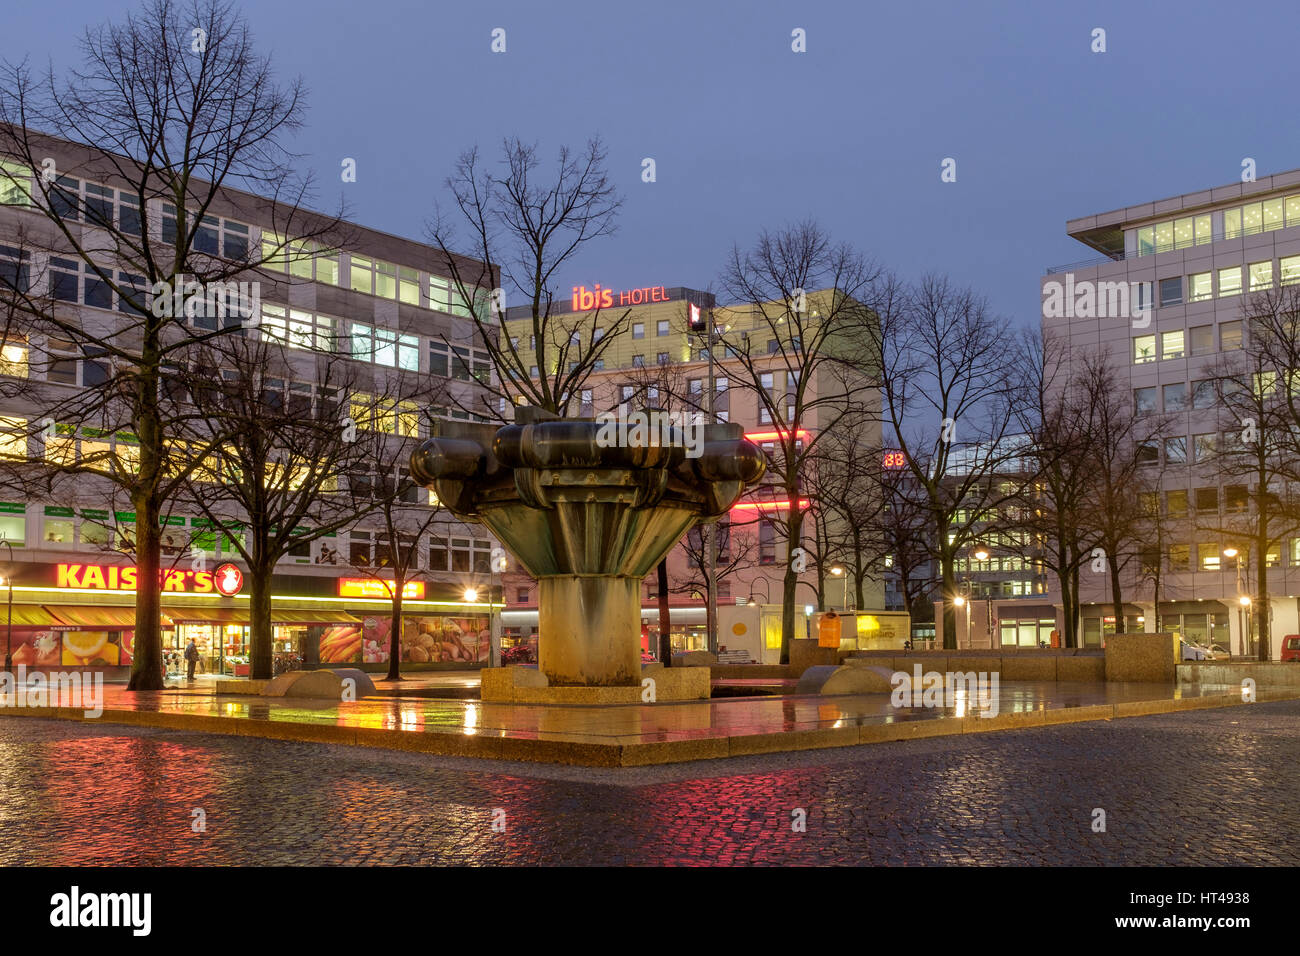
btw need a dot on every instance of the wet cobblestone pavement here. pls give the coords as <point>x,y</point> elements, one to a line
<point>1195,788</point>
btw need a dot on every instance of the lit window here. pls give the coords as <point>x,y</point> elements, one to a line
<point>1230,281</point>
<point>1290,269</point>
<point>1199,287</point>
<point>1261,276</point>
<point>1171,344</point>
<point>1144,349</point>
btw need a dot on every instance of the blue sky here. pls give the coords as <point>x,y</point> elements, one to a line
<point>746,133</point>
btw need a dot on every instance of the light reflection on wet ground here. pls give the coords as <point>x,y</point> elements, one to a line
<point>722,717</point>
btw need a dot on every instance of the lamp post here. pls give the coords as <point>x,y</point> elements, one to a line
<point>981,555</point>
<point>499,565</point>
<point>839,572</point>
<point>1242,600</point>
<point>9,620</point>
<point>470,596</point>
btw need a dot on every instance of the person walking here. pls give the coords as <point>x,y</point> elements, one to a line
<point>191,658</point>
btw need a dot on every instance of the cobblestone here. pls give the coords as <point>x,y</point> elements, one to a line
<point>1196,788</point>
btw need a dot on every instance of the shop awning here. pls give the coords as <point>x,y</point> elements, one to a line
<point>207,615</point>
<point>30,615</point>
<point>314,616</point>
<point>72,617</point>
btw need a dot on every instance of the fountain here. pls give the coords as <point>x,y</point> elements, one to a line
<point>589,519</point>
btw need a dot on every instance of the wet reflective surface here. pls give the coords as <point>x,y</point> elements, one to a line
<point>723,717</point>
<point>1195,788</point>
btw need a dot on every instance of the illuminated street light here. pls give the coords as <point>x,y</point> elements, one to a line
<point>1244,600</point>
<point>471,595</point>
<point>981,555</point>
<point>959,601</point>
<point>1229,552</point>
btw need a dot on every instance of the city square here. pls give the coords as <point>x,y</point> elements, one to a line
<point>926,500</point>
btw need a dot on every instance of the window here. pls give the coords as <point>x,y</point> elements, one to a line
<point>661,327</point>
<point>1200,286</point>
<point>1176,503</point>
<point>1290,269</point>
<point>638,361</point>
<point>1203,449</point>
<point>1180,556</point>
<point>1229,335</point>
<point>1174,234</point>
<point>378,278</point>
<point>1207,500</point>
<point>1230,281</point>
<point>64,364</point>
<point>1175,397</point>
<point>1144,401</point>
<point>1235,498</point>
<point>297,329</point>
<point>1203,393</point>
<point>299,258</point>
<point>1144,349</point>
<point>521,595</point>
<point>359,548</point>
<point>638,330</point>
<point>210,235</point>
<point>773,346</point>
<point>13,524</point>
<point>15,270</point>
<point>662,358</point>
<point>438,554</point>
<point>1176,451</point>
<point>1202,337</point>
<point>13,358</point>
<point>15,184</point>
<point>1261,275</point>
<point>13,438</point>
<point>1207,556</point>
<point>766,543</point>
<point>1171,345</point>
<point>385,347</point>
<point>1171,291</point>
<point>585,405</point>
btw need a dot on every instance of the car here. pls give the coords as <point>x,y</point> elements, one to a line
<point>1291,648</point>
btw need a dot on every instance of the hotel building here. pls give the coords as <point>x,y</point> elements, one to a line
<point>660,361</point>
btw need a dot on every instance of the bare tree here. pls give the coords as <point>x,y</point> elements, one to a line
<point>525,229</point>
<point>948,376</point>
<point>294,463</point>
<point>171,113</point>
<point>1257,390</point>
<point>1123,457</point>
<point>806,297</point>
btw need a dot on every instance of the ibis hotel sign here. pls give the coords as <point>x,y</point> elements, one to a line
<point>123,577</point>
<point>585,299</point>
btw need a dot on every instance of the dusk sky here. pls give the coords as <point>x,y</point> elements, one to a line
<point>746,133</point>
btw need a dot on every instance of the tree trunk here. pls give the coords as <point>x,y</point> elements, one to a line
<point>146,663</point>
<point>665,621</point>
<point>1116,598</point>
<point>259,621</point>
<point>949,577</point>
<point>394,633</point>
<point>1260,607</point>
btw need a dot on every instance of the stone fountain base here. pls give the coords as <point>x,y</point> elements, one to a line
<point>527,685</point>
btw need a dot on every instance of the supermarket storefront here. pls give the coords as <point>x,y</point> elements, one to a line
<point>83,615</point>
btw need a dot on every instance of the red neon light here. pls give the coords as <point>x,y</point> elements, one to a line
<point>804,505</point>
<point>598,298</point>
<point>800,434</point>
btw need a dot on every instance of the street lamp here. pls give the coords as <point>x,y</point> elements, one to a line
<point>844,597</point>
<point>1243,601</point>
<point>471,595</point>
<point>9,621</point>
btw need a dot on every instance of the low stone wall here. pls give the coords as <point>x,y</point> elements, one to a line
<point>1273,674</point>
<point>527,685</point>
<point>1145,658</point>
<point>1020,664</point>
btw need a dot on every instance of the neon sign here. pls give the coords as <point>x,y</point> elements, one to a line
<point>598,298</point>
<point>116,577</point>
<point>893,459</point>
<point>372,588</point>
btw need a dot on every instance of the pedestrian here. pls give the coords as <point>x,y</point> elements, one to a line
<point>191,658</point>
